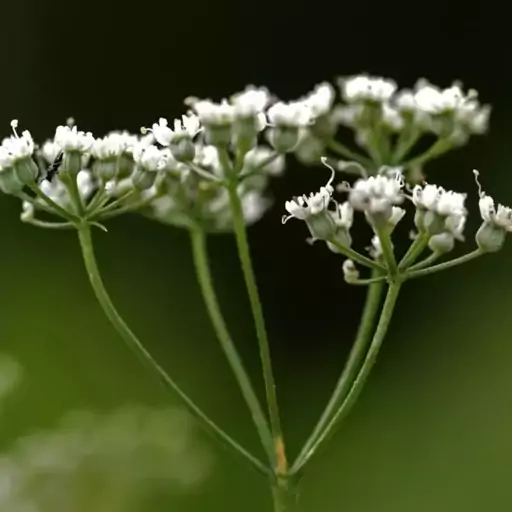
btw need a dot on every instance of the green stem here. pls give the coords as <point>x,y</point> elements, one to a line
<point>406,141</point>
<point>388,251</point>
<point>50,225</point>
<point>364,372</point>
<point>101,210</point>
<point>414,251</point>
<point>84,234</point>
<point>284,495</point>
<point>355,256</point>
<point>444,266</point>
<point>205,281</point>
<point>355,358</point>
<point>366,282</point>
<point>437,149</point>
<point>426,262</point>
<point>259,323</point>
<point>55,208</point>
<point>342,150</point>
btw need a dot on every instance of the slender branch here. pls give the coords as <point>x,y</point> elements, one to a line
<point>437,149</point>
<point>357,257</point>
<point>55,208</point>
<point>444,266</point>
<point>205,281</point>
<point>388,252</point>
<point>366,282</point>
<point>259,323</point>
<point>342,150</point>
<point>84,234</point>
<point>426,262</point>
<point>414,251</point>
<point>355,358</point>
<point>49,225</point>
<point>362,377</point>
<point>111,206</point>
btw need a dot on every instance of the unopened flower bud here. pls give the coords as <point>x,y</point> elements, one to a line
<point>433,223</point>
<point>183,149</point>
<point>321,226</point>
<point>350,272</point>
<point>26,170</point>
<point>142,179</point>
<point>441,243</point>
<point>490,238</point>
<point>106,170</point>
<point>284,138</point>
<point>9,183</point>
<point>72,162</point>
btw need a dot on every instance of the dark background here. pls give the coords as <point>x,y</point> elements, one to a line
<point>432,431</point>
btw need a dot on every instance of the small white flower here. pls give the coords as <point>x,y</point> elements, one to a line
<point>85,183</point>
<point>250,102</point>
<point>304,206</point>
<point>377,194</point>
<point>295,114</point>
<point>207,156</point>
<point>347,115</point>
<point>366,88</point>
<point>254,205</point>
<point>350,272</point>
<point>392,118</point>
<point>455,224</point>
<point>16,148</point>
<point>343,217</point>
<point>397,214</point>
<point>404,101</point>
<point>149,157</point>
<point>438,200</point>
<point>27,211</point>
<point>375,249</point>
<point>320,100</point>
<point>188,126</point>
<point>106,148</point>
<point>215,114</point>
<point>500,217</point>
<point>50,151</point>
<point>255,157</point>
<point>71,139</point>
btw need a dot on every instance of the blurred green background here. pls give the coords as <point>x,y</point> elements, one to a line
<point>433,429</point>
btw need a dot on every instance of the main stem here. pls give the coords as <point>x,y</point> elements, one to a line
<point>364,373</point>
<point>259,322</point>
<point>352,366</point>
<point>204,277</point>
<point>84,234</point>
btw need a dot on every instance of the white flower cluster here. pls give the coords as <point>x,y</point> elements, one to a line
<point>440,210</point>
<point>447,112</point>
<point>375,108</point>
<point>113,461</point>
<point>440,215</point>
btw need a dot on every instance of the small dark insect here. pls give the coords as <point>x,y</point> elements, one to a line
<point>54,167</point>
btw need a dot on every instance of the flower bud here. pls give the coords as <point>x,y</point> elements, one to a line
<point>9,183</point>
<point>284,138</point>
<point>218,135</point>
<point>125,166</point>
<point>72,162</point>
<point>26,170</point>
<point>441,243</point>
<point>490,238</point>
<point>321,226</point>
<point>182,149</point>
<point>106,170</point>
<point>433,223</point>
<point>143,180</point>
<point>350,272</point>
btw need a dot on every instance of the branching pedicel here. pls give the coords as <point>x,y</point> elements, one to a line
<point>208,171</point>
